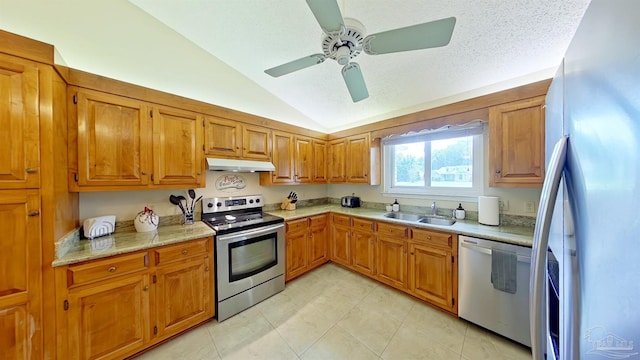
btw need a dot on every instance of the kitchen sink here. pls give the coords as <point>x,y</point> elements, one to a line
<point>426,219</point>
<point>403,216</point>
<point>437,220</point>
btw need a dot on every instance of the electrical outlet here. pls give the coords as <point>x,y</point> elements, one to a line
<point>529,206</point>
<point>504,205</point>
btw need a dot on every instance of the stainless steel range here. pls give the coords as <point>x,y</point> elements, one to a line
<point>249,252</point>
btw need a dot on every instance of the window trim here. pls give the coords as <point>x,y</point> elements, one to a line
<point>477,163</point>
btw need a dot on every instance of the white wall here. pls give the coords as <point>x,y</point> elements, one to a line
<point>126,204</point>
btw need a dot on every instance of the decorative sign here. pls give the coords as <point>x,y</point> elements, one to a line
<point>230,182</point>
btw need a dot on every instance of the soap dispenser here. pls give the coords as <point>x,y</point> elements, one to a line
<point>460,212</point>
<point>395,206</point>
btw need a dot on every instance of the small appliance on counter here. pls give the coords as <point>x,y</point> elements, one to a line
<point>489,210</point>
<point>99,226</point>
<point>350,201</point>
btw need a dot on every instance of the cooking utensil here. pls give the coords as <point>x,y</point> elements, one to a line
<point>175,200</point>
<point>192,195</point>
<point>182,198</point>
<point>195,202</point>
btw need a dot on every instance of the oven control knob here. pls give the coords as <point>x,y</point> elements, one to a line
<point>218,204</point>
<point>251,201</point>
<point>257,201</point>
<point>210,205</point>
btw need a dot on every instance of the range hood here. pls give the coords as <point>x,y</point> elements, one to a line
<point>239,165</point>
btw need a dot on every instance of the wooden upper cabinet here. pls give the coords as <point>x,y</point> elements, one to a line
<point>283,149</point>
<point>256,143</point>
<point>319,161</point>
<point>303,159</point>
<point>177,148</point>
<point>113,140</point>
<point>516,142</point>
<point>20,275</point>
<point>358,159</point>
<point>19,124</point>
<point>337,155</point>
<point>222,137</point>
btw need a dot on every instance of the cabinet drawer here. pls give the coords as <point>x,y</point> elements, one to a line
<point>362,225</point>
<point>342,220</point>
<point>391,230</point>
<point>181,251</point>
<point>318,221</point>
<point>107,268</point>
<point>296,225</point>
<point>432,237</point>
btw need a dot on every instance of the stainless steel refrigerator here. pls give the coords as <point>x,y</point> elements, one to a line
<point>585,278</point>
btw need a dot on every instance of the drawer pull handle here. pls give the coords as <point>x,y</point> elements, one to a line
<point>206,269</point>
<point>112,269</point>
<point>184,252</point>
<point>33,213</point>
<point>31,170</point>
<point>429,237</point>
<point>144,172</point>
<point>146,288</point>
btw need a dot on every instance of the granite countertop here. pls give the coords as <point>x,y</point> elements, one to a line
<point>517,235</point>
<point>129,241</point>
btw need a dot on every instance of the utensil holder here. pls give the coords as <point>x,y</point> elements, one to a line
<point>188,219</point>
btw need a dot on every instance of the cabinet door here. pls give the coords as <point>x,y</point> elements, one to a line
<point>430,274</point>
<point>337,161</point>
<point>177,148</point>
<point>183,295</point>
<point>516,138</point>
<point>114,140</point>
<point>19,124</point>
<point>222,137</point>
<point>256,143</point>
<point>20,275</point>
<point>318,240</point>
<point>110,319</point>
<point>303,160</point>
<point>283,151</point>
<point>358,154</point>
<point>319,161</point>
<point>363,252</point>
<point>296,245</point>
<point>340,245</point>
<point>391,261</point>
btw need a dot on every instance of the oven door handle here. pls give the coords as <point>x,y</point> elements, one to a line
<point>249,233</point>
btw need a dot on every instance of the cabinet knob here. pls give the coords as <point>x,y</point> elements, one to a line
<point>31,170</point>
<point>198,173</point>
<point>184,252</point>
<point>112,269</point>
<point>498,171</point>
<point>143,172</point>
<point>411,253</point>
<point>33,213</point>
<point>206,269</point>
<point>146,288</point>
<point>428,237</point>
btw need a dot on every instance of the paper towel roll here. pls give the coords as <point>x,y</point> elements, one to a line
<point>489,210</point>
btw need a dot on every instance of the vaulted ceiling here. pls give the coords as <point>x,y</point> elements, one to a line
<point>217,50</point>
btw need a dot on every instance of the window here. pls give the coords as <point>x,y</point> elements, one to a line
<point>441,162</point>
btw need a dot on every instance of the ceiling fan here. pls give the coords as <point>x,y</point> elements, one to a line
<point>344,39</point>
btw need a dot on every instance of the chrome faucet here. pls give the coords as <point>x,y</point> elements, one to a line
<point>434,208</point>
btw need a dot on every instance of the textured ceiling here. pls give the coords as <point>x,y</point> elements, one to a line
<point>496,44</point>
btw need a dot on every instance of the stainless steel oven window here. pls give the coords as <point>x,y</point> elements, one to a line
<point>252,256</point>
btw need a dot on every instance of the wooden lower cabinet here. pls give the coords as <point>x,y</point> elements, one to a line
<point>392,262</point>
<point>109,319</point>
<point>114,307</point>
<point>306,244</point>
<point>363,246</point>
<point>341,239</point>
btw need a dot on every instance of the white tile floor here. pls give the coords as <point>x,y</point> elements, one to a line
<point>332,313</point>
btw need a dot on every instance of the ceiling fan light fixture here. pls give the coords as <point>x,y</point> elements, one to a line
<point>343,55</point>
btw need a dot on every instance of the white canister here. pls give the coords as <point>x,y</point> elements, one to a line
<point>395,207</point>
<point>146,220</point>
<point>489,210</point>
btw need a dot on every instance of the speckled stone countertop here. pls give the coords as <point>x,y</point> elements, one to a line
<point>509,234</point>
<point>128,241</point>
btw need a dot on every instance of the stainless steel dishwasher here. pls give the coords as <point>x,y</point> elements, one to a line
<point>480,302</point>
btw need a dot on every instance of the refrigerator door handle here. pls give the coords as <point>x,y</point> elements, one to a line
<point>537,278</point>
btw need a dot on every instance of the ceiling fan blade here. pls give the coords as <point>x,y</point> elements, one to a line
<point>422,36</point>
<point>328,15</point>
<point>296,65</point>
<point>355,82</point>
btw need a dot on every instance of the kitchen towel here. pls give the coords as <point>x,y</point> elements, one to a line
<point>489,210</point>
<point>504,271</point>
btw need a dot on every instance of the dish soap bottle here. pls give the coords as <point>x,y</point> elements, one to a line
<point>460,212</point>
<point>395,206</point>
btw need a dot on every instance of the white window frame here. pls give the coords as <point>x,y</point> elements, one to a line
<point>474,129</point>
